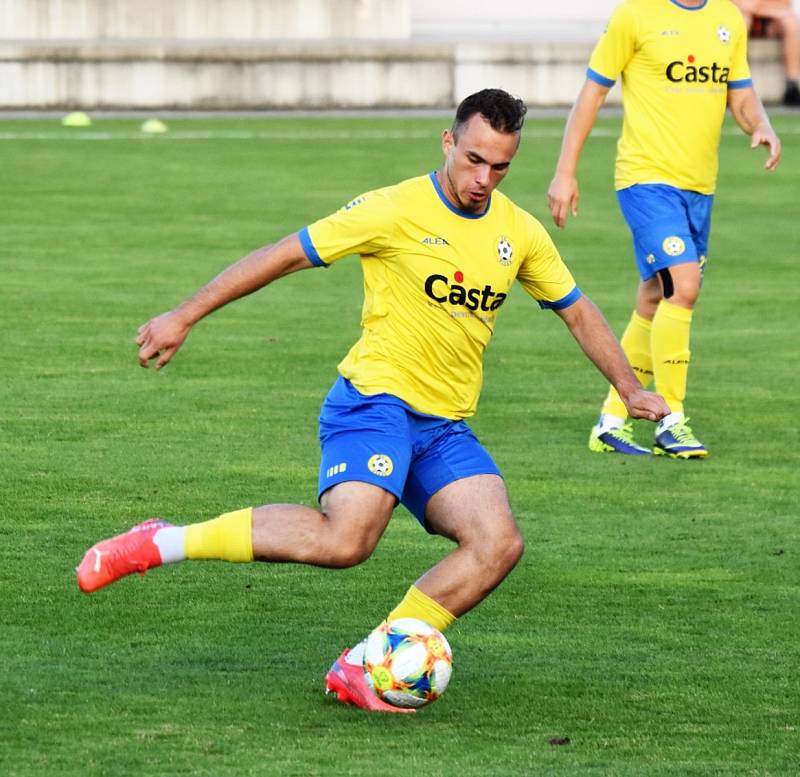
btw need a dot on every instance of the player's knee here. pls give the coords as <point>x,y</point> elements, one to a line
<point>350,552</point>
<point>515,547</point>
<point>685,295</point>
<point>501,549</point>
<point>681,284</point>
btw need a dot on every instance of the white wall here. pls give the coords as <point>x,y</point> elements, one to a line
<point>203,19</point>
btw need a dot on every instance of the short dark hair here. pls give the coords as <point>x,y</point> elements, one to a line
<point>504,112</point>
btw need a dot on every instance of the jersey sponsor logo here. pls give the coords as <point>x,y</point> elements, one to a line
<point>434,241</point>
<point>440,289</point>
<point>505,253</point>
<point>381,465</point>
<point>673,246</point>
<point>691,73</point>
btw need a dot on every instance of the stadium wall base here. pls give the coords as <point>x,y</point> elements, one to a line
<point>303,74</point>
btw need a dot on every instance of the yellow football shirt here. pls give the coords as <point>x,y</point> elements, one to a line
<point>434,280</point>
<point>677,64</point>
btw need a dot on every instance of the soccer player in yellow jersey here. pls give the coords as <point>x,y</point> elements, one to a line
<point>439,254</point>
<point>681,62</point>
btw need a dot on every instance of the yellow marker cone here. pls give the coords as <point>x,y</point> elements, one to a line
<point>76,119</point>
<point>154,127</point>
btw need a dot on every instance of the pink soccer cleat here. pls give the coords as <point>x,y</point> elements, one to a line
<point>348,683</point>
<point>111,559</point>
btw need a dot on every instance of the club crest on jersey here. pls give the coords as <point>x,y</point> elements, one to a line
<point>381,465</point>
<point>724,34</point>
<point>505,253</point>
<point>673,246</point>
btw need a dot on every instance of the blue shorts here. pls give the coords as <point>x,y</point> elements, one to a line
<point>670,226</point>
<point>380,439</point>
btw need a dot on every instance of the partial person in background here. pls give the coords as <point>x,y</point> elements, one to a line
<point>681,63</point>
<point>778,17</point>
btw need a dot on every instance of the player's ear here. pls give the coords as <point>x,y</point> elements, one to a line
<point>448,142</point>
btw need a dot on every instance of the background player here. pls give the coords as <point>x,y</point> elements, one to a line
<point>681,62</point>
<point>439,253</point>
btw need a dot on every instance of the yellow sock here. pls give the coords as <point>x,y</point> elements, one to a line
<point>670,338</point>
<point>417,604</point>
<point>636,344</point>
<point>228,537</point>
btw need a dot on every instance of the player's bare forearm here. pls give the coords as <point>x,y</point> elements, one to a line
<point>563,193</point>
<point>249,274</point>
<point>161,337</point>
<point>749,113</point>
<point>589,327</point>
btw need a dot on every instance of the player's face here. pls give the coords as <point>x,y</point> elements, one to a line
<point>476,163</point>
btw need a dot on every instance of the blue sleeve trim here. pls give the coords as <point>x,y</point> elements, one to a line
<point>742,84</point>
<point>308,247</point>
<point>562,303</point>
<point>593,75</point>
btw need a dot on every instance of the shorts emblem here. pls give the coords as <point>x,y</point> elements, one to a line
<point>673,246</point>
<point>381,465</point>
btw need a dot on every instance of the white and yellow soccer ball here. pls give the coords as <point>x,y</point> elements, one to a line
<point>407,662</point>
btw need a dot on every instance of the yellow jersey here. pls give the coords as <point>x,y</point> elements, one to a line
<point>435,278</point>
<point>677,64</point>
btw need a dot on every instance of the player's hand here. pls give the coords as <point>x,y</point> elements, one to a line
<point>764,135</point>
<point>160,338</point>
<point>562,198</point>
<point>646,404</point>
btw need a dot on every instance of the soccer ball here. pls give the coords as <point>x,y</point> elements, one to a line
<point>407,662</point>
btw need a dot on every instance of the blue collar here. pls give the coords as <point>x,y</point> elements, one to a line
<point>688,7</point>
<point>463,213</point>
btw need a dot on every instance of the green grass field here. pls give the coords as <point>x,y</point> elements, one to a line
<point>654,618</point>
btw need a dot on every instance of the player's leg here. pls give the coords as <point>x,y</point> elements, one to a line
<point>454,489</point>
<point>342,533</point>
<point>474,513</point>
<point>679,266</point>
<point>611,433</point>
<point>671,358</point>
<point>365,457</point>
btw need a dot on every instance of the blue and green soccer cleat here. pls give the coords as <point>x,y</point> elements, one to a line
<point>619,440</point>
<point>679,442</point>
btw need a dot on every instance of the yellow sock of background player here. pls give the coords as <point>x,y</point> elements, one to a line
<point>636,342</point>
<point>670,345</point>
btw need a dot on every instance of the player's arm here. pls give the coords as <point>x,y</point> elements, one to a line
<point>161,337</point>
<point>748,111</point>
<point>594,335</point>
<point>563,194</point>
